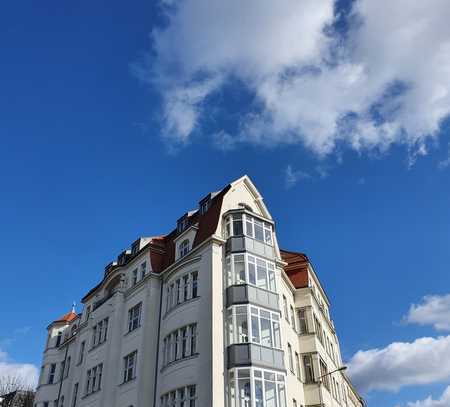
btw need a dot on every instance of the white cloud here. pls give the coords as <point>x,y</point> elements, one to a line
<point>27,372</point>
<point>387,83</point>
<point>433,310</point>
<point>292,177</point>
<point>423,361</point>
<point>444,401</point>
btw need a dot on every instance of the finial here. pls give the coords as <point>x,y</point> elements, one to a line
<point>73,306</point>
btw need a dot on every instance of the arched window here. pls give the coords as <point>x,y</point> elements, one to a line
<point>183,249</point>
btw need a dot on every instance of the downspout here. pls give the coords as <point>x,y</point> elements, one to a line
<point>157,344</point>
<point>62,375</point>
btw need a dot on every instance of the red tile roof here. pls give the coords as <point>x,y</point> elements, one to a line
<point>69,317</point>
<point>296,268</point>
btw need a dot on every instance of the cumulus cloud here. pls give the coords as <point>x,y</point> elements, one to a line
<point>385,81</point>
<point>444,401</point>
<point>28,373</point>
<point>433,310</point>
<point>423,361</point>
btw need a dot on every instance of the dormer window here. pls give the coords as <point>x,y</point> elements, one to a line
<point>204,206</point>
<point>182,224</point>
<point>135,247</point>
<point>183,249</point>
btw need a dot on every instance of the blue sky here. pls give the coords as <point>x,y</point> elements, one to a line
<point>108,133</point>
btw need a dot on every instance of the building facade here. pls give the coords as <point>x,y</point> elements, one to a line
<point>213,314</point>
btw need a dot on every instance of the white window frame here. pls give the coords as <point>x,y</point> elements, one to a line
<point>248,226</point>
<point>129,367</point>
<point>134,317</point>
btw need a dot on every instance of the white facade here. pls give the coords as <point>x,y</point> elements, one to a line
<point>203,317</point>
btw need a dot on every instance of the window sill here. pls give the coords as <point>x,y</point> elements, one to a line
<point>175,362</point>
<point>133,379</point>
<point>96,347</point>
<point>132,331</point>
<point>90,394</point>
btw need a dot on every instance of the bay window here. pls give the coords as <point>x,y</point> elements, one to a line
<point>251,387</point>
<point>249,324</point>
<point>248,269</point>
<point>240,224</point>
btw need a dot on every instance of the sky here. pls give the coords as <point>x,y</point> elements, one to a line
<point>115,120</point>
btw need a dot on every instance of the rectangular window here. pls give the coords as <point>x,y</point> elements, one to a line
<point>51,373</point>
<point>194,284</point>
<point>186,287</point>
<point>68,366</point>
<point>297,366</point>
<point>94,379</point>
<point>81,355</point>
<point>319,331</point>
<point>129,367</point>
<point>181,397</point>
<point>302,322</point>
<point>100,332</point>
<point>143,269</point>
<point>134,279</point>
<point>247,269</point>
<point>75,395</point>
<point>292,317</point>
<point>285,309</point>
<point>308,368</point>
<point>323,373</point>
<point>134,317</point>
<point>291,362</point>
<point>61,370</point>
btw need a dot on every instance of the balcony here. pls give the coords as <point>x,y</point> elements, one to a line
<point>244,294</point>
<point>246,354</point>
<point>245,243</point>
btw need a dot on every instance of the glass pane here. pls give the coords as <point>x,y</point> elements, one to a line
<point>255,329</point>
<point>261,274</point>
<point>268,236</point>
<point>270,394</point>
<point>245,399</point>
<point>239,270</point>
<point>249,228</point>
<point>271,273</point>
<point>281,395</point>
<point>259,402</point>
<point>276,334</point>
<point>232,400</point>
<point>259,233</point>
<point>251,274</point>
<point>237,227</point>
<point>242,328</point>
<point>266,339</point>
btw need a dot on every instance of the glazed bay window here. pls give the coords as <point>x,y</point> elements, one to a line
<point>251,387</point>
<point>248,269</point>
<point>308,368</point>
<point>239,224</point>
<point>249,324</point>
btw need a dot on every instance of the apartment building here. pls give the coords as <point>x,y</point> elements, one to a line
<point>212,314</point>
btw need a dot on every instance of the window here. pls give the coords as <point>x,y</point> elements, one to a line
<point>285,309</point>
<point>94,379</point>
<point>302,322</point>
<point>194,284</point>
<point>58,339</point>
<point>134,317</point>
<point>45,403</point>
<point>254,228</point>
<point>51,373</point>
<point>292,317</point>
<point>256,387</point>
<point>319,332</point>
<point>309,369</point>
<point>61,370</point>
<point>129,367</point>
<point>297,366</point>
<point>143,269</point>
<point>323,373</point>
<point>182,224</point>
<point>135,247</point>
<point>135,276</point>
<point>247,323</point>
<point>68,366</point>
<point>81,355</point>
<point>183,249</point>
<point>61,401</point>
<point>75,395</point>
<point>181,397</point>
<point>180,344</point>
<point>204,206</point>
<point>88,312</point>
<point>247,269</point>
<point>294,403</point>
<point>99,332</point>
<point>182,290</point>
<point>291,362</point>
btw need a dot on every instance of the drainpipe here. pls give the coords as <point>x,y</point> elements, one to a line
<point>157,343</point>
<point>62,375</point>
